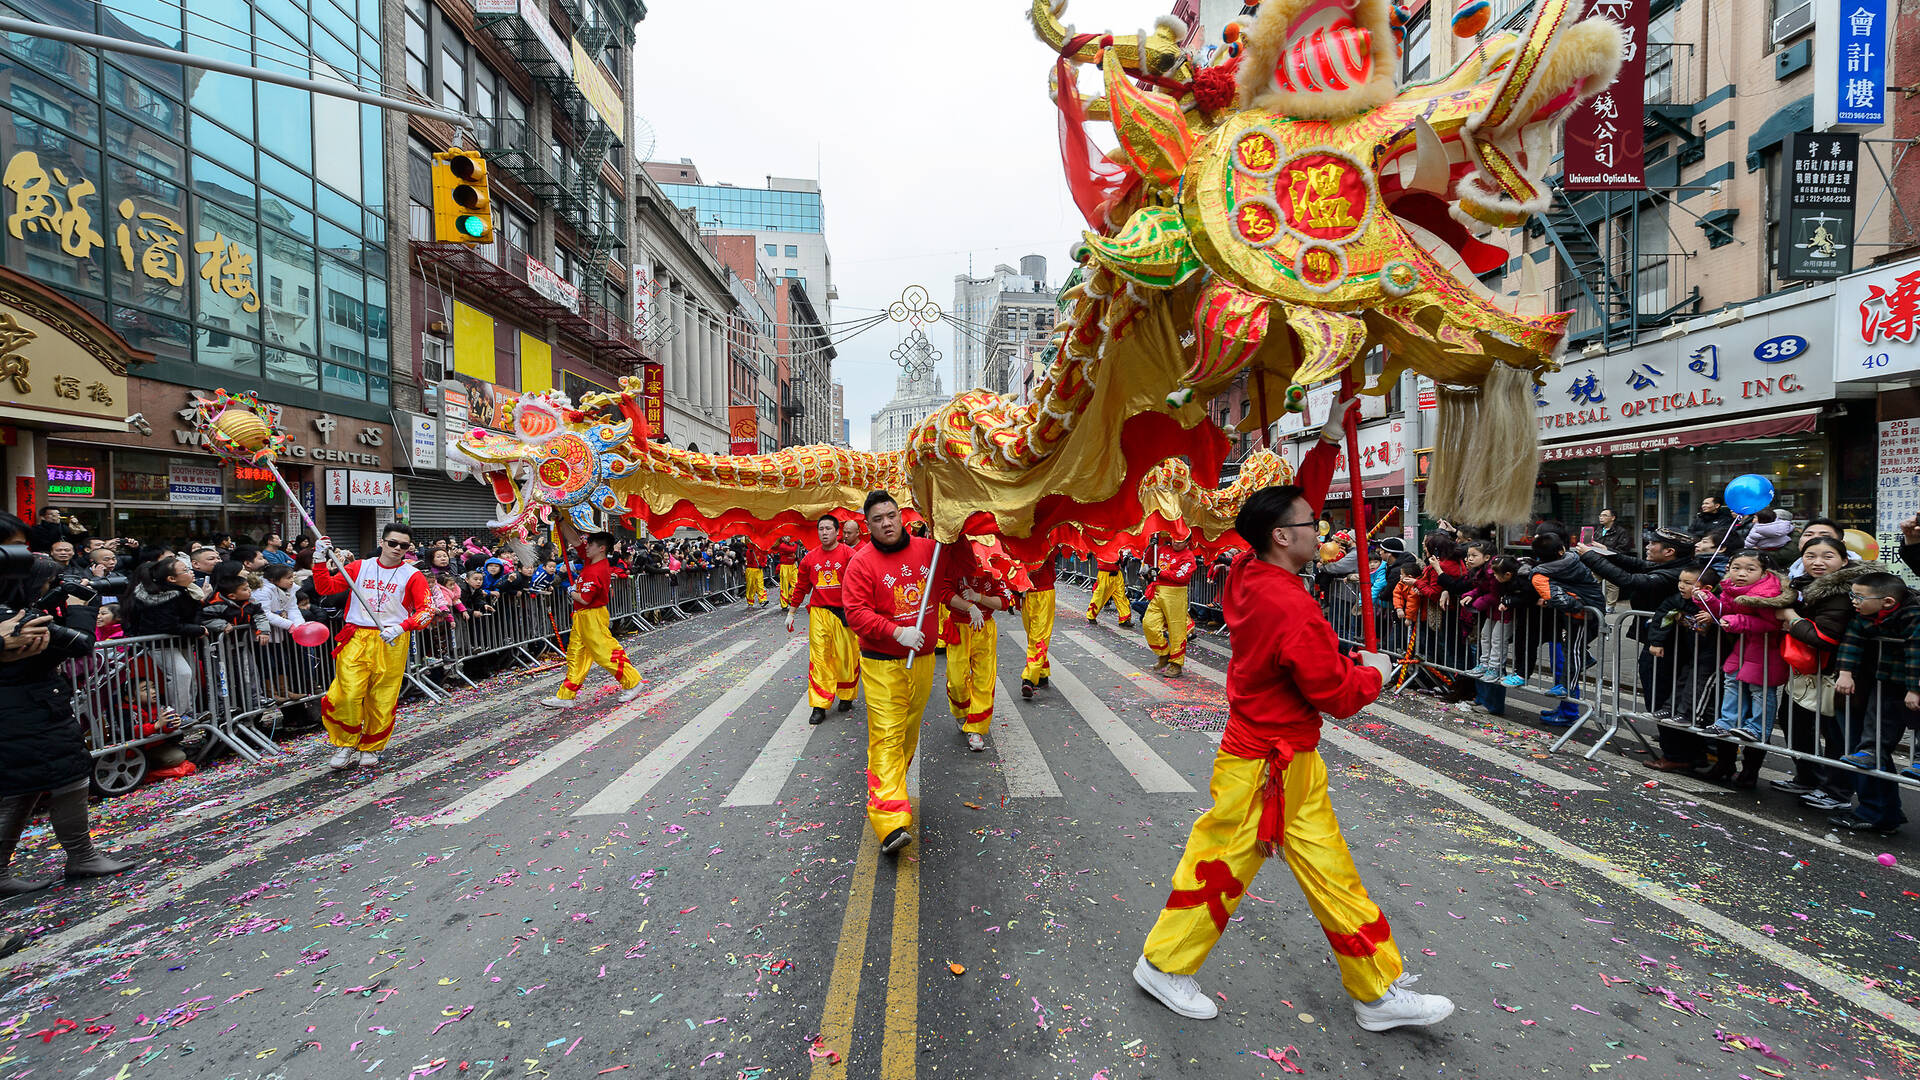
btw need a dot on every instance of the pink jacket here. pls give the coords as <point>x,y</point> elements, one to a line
<point>1755,658</point>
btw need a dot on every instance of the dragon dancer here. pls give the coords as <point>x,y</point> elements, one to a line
<point>833,656</point>
<point>891,594</point>
<point>1036,615</point>
<point>786,561</point>
<point>756,592</point>
<point>1269,784</point>
<point>592,641</point>
<point>1110,586</point>
<point>1167,621</point>
<point>370,662</point>
<point>973,655</point>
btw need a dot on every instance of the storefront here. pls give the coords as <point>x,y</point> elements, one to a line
<point>436,501</point>
<point>1876,334</point>
<point>1650,431</point>
<point>167,487</point>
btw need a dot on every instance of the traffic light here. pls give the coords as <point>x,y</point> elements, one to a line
<point>462,207</point>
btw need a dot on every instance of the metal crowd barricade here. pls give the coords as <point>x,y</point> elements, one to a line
<point>234,686</point>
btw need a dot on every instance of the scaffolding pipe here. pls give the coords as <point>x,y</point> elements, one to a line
<point>228,67</point>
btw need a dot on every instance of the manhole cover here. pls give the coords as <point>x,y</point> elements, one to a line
<point>1182,716</point>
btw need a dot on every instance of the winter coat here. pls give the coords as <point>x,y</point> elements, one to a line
<point>171,611</point>
<point>222,614</point>
<point>281,608</point>
<point>45,746</point>
<point>1566,584</point>
<point>1770,536</point>
<point>1408,601</point>
<point>1824,605</point>
<point>1755,658</point>
<point>1645,585</point>
<point>1665,623</point>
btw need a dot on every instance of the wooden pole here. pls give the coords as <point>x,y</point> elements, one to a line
<point>1355,485</point>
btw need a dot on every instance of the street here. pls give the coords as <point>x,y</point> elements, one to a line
<point>686,885</point>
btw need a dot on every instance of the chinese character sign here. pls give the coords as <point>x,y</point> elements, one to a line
<point>1898,497</point>
<point>1605,141</point>
<point>653,398</point>
<point>1851,74</point>
<point>1817,204</point>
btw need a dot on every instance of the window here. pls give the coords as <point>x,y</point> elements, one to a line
<point>515,227</point>
<point>1660,50</point>
<point>773,249</point>
<point>486,91</point>
<point>453,78</point>
<point>793,251</point>
<point>303,300</point>
<point>792,273</point>
<point>1417,61</point>
<point>418,75</point>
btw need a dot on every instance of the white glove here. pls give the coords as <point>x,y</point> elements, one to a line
<point>1379,662</point>
<point>322,548</point>
<point>910,636</point>
<point>390,632</point>
<point>789,622</point>
<point>977,616</point>
<point>1335,429</point>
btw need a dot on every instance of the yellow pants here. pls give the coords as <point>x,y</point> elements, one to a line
<point>1036,614</point>
<point>1221,859</point>
<point>833,659</point>
<point>1167,623</point>
<point>1110,586</point>
<point>593,643</point>
<point>789,576</point>
<point>367,673</point>
<point>756,585</point>
<point>972,664</point>
<point>896,699</point>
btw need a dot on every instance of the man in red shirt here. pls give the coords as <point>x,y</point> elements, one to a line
<point>786,557</point>
<point>370,663</point>
<point>1036,614</point>
<point>833,658</point>
<point>973,656</point>
<point>1269,785</point>
<point>592,641</point>
<point>1166,621</point>
<point>756,592</point>
<point>892,595</point>
<point>1110,586</point>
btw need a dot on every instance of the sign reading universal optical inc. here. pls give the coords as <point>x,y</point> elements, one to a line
<point>1605,139</point>
<point>1770,360</point>
<point>1876,323</point>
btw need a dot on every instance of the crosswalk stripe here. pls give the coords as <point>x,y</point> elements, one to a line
<point>633,785</point>
<point>1146,681</point>
<point>769,772</point>
<point>477,802</point>
<point>1210,645</point>
<point>1504,759</point>
<point>1148,768</point>
<point>1021,764</point>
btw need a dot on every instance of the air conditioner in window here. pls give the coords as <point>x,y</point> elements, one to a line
<point>1792,22</point>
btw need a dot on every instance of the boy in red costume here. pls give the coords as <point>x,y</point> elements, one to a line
<point>892,594</point>
<point>591,641</point>
<point>1036,615</point>
<point>370,662</point>
<point>1167,619</point>
<point>786,558</point>
<point>833,657</point>
<point>1269,785</point>
<point>973,655</point>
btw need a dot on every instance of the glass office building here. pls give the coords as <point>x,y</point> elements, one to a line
<point>750,209</point>
<point>234,229</point>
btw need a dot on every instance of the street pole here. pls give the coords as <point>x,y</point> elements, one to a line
<point>1413,430</point>
<point>227,67</point>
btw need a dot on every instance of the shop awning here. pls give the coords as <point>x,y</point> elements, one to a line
<point>1377,489</point>
<point>1792,423</point>
<point>57,420</point>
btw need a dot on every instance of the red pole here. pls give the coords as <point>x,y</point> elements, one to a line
<point>1359,516</point>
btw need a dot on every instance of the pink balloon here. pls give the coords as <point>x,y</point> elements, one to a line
<point>310,634</point>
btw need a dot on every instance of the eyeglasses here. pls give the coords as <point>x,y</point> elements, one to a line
<point>400,545</point>
<point>1296,524</point>
<point>1858,599</point>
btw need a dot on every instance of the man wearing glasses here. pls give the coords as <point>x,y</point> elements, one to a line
<point>1269,785</point>
<point>370,660</point>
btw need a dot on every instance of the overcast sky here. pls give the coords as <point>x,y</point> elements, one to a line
<point>926,122</point>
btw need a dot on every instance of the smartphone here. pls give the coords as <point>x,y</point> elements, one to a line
<point>1586,534</point>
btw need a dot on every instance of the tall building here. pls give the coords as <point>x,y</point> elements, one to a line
<point>916,394</point>
<point>787,219</point>
<point>753,373</point>
<point>841,433</point>
<point>1001,323</point>
<point>689,316</point>
<point>804,359</point>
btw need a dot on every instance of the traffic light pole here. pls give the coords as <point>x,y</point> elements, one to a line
<point>227,67</point>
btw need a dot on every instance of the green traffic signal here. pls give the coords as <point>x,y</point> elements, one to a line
<point>471,225</point>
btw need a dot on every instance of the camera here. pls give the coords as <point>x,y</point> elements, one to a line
<point>71,632</point>
<point>16,560</point>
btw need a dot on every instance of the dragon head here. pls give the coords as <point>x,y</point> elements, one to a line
<point>554,456</point>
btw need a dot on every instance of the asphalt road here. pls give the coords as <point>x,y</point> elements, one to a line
<point>685,886</point>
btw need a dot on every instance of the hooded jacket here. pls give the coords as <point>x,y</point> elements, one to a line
<point>1646,585</point>
<point>1755,658</point>
<point>1566,584</point>
<point>1824,605</point>
<point>171,611</point>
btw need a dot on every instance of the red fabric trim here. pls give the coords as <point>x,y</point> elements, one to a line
<point>1274,806</point>
<point>1094,182</point>
<point>1217,886</point>
<point>1363,942</point>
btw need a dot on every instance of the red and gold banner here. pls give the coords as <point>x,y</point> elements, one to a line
<point>743,428</point>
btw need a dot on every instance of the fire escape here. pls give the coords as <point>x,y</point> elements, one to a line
<point>1609,279</point>
<point>572,189</point>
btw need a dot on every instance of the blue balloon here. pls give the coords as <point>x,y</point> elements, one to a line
<point>1749,494</point>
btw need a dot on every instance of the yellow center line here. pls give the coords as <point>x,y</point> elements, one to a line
<point>899,1045</point>
<point>843,989</point>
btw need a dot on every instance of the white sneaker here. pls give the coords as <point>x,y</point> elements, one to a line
<point>559,703</point>
<point>625,696</point>
<point>341,759</point>
<point>1177,992</point>
<point>1400,1006</point>
<point>976,742</point>
<point>369,759</point>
